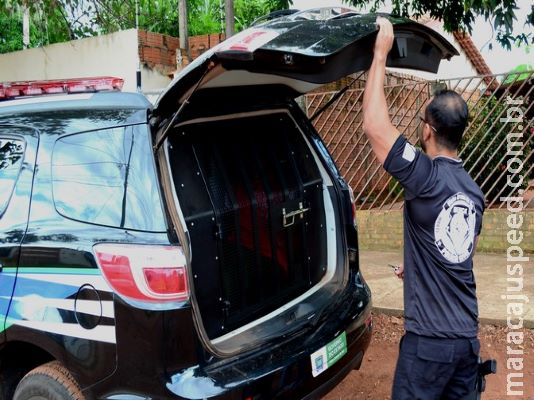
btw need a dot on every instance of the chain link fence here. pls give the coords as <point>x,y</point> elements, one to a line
<point>497,149</point>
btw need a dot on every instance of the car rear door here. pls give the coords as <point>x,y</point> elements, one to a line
<point>18,148</point>
<point>302,51</point>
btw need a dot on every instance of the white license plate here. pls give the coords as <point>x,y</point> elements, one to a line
<point>328,355</point>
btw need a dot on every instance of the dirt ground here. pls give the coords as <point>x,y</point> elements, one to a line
<point>375,377</point>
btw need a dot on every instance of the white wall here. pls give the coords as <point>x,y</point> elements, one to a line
<point>153,81</point>
<point>115,54</point>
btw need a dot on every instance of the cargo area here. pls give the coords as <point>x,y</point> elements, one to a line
<point>252,200</point>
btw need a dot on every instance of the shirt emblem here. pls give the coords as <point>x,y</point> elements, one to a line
<point>454,230</point>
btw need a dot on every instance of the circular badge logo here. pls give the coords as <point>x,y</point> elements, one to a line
<point>454,230</point>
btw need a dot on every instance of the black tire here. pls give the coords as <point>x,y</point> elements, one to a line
<point>9,377</point>
<point>50,381</point>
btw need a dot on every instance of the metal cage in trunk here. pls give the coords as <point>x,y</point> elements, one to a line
<point>251,195</point>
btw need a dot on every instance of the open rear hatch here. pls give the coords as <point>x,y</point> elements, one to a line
<point>303,51</point>
<point>253,204</point>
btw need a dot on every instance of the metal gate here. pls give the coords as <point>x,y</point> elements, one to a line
<point>497,149</point>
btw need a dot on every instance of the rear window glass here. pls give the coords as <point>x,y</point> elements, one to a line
<point>107,178</point>
<point>11,155</point>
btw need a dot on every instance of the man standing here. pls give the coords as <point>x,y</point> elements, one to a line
<point>442,220</point>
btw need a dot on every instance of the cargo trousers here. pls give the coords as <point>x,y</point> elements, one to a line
<point>431,368</point>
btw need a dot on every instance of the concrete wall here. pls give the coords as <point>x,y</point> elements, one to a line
<point>152,80</point>
<point>380,230</point>
<point>383,230</point>
<point>115,54</point>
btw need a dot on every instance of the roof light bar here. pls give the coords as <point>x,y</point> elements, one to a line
<point>9,90</point>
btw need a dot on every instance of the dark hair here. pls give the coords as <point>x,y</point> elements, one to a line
<point>447,113</point>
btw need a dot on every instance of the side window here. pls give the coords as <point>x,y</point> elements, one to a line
<point>107,177</point>
<point>11,156</point>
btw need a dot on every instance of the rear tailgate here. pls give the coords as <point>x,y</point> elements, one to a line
<point>303,52</point>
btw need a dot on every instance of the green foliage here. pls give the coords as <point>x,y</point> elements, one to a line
<point>246,11</point>
<point>43,30</point>
<point>519,74</point>
<point>205,17</point>
<point>55,21</point>
<point>460,15</point>
<point>58,20</point>
<point>275,5</point>
<point>484,147</point>
<point>106,16</point>
<point>10,33</point>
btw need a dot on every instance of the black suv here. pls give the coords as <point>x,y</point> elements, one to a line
<point>201,248</point>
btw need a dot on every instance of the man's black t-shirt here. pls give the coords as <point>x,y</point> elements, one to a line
<point>442,217</point>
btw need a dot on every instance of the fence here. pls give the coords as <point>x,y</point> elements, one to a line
<point>489,143</point>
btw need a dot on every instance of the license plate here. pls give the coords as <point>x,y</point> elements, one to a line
<point>328,355</point>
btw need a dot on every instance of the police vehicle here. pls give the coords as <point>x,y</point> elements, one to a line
<point>205,247</point>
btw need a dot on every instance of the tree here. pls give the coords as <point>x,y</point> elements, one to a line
<point>25,26</point>
<point>460,15</point>
<point>47,25</point>
<point>10,33</point>
<point>208,16</point>
<point>247,11</point>
<point>183,32</point>
<point>279,4</point>
<point>205,16</point>
<point>229,17</point>
<point>58,20</point>
<point>53,21</point>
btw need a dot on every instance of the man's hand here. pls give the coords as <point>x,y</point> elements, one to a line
<point>399,271</point>
<point>384,39</point>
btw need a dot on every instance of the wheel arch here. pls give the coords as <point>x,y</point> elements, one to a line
<point>17,358</point>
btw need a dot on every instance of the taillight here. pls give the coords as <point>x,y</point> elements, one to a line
<point>144,273</point>
<point>353,205</point>
<point>166,281</point>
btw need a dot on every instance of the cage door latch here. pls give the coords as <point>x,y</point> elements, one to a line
<point>289,217</point>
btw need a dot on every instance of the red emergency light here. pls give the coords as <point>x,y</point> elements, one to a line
<point>9,90</point>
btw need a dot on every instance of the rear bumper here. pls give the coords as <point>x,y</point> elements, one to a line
<point>314,388</point>
<point>290,379</point>
<point>279,370</point>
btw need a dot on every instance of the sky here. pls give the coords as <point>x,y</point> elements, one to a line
<point>498,59</point>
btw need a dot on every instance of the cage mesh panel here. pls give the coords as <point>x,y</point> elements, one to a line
<point>251,169</point>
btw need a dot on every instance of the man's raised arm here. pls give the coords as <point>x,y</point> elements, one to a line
<point>376,123</point>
